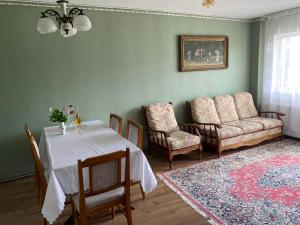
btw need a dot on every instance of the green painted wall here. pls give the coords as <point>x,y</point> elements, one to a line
<point>256,60</point>
<point>125,61</point>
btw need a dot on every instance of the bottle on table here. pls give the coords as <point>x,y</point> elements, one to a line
<point>77,118</point>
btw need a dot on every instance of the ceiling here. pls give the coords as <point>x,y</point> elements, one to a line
<point>240,9</point>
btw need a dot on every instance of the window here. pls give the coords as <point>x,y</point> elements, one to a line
<point>287,62</point>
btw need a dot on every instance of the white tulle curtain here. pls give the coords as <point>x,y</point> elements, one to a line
<point>281,82</point>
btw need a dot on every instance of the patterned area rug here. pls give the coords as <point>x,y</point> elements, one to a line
<point>256,186</point>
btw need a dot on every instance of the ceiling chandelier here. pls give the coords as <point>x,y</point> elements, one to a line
<point>68,23</point>
<point>208,3</point>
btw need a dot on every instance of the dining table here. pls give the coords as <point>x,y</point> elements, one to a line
<point>60,154</point>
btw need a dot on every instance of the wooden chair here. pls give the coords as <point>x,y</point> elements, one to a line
<point>134,133</point>
<point>115,122</point>
<point>39,170</point>
<point>106,189</point>
<point>36,180</point>
<point>166,134</point>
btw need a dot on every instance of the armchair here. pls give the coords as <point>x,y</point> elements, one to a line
<point>166,134</point>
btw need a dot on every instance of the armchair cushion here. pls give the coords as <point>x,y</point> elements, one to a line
<point>179,139</point>
<point>160,116</point>
<point>244,105</point>
<point>246,126</point>
<point>226,108</point>
<point>204,111</point>
<point>268,123</point>
<point>100,199</point>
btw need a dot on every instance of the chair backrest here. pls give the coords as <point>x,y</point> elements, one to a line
<point>38,166</point>
<point>27,132</point>
<point>226,108</point>
<point>104,173</point>
<point>244,105</point>
<point>161,116</point>
<point>115,122</point>
<point>29,135</point>
<point>203,110</point>
<point>134,133</point>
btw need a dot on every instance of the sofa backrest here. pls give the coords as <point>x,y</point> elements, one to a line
<point>226,108</point>
<point>203,110</point>
<point>244,105</point>
<point>161,116</point>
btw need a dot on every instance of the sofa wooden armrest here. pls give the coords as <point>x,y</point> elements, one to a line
<point>210,124</point>
<point>272,114</point>
<point>209,132</point>
<point>190,128</point>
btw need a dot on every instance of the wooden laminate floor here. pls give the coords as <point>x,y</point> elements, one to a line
<point>19,206</point>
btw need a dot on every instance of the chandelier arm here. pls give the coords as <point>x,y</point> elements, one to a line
<point>51,12</point>
<point>75,11</point>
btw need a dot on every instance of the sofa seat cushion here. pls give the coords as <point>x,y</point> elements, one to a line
<point>178,139</point>
<point>243,139</point>
<point>244,105</point>
<point>226,108</point>
<point>268,123</point>
<point>246,126</point>
<point>225,131</point>
<point>97,200</point>
<point>160,116</point>
<point>204,111</point>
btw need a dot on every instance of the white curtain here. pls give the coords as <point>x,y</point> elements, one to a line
<point>281,80</point>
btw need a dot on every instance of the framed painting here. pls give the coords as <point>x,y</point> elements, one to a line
<point>199,52</point>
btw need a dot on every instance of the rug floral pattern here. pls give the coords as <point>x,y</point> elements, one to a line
<point>253,187</point>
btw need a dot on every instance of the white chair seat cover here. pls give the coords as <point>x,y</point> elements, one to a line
<point>100,199</point>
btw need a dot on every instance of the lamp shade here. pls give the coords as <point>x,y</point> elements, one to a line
<point>46,25</point>
<point>82,23</point>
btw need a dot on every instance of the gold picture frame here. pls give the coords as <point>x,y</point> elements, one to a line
<point>203,52</point>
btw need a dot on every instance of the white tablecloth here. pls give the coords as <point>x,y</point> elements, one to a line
<point>59,154</point>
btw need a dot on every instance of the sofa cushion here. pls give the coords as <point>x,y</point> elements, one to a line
<point>204,111</point>
<point>225,131</point>
<point>244,105</point>
<point>160,116</point>
<point>249,137</point>
<point>179,139</point>
<point>268,123</point>
<point>246,126</point>
<point>226,108</point>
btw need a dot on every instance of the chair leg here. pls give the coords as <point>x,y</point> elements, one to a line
<point>83,220</point>
<point>128,213</point>
<point>219,154</point>
<point>45,222</point>
<point>142,191</point>
<point>113,212</point>
<point>74,213</point>
<point>170,162</point>
<point>149,148</point>
<point>199,153</point>
<point>37,185</point>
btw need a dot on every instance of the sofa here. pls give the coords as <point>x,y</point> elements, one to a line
<point>166,134</point>
<point>229,122</point>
